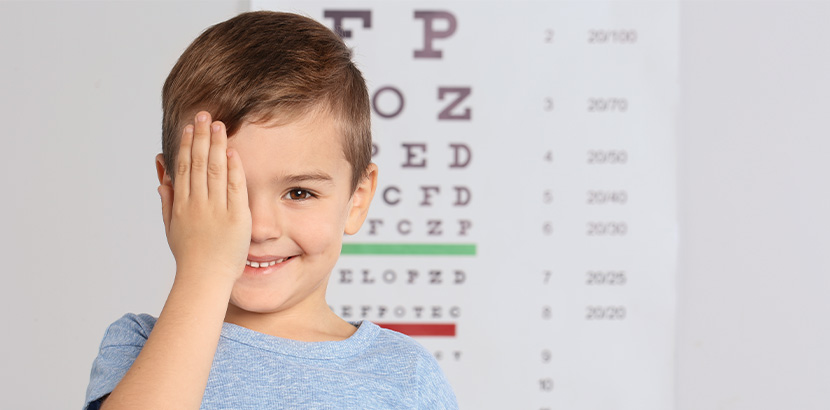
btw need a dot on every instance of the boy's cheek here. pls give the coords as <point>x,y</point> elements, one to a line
<point>318,234</point>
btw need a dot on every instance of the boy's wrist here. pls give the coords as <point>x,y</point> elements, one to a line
<point>204,280</point>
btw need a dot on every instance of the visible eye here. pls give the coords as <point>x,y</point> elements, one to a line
<point>298,194</point>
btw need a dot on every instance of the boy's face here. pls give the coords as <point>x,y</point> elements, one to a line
<point>299,193</point>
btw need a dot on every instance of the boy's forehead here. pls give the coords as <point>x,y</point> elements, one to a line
<point>320,111</point>
<point>311,131</point>
<point>307,145</point>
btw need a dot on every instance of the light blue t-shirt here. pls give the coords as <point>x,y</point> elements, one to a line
<point>373,369</point>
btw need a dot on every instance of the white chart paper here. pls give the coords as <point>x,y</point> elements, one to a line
<point>525,214</point>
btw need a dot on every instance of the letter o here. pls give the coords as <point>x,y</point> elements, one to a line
<point>400,102</point>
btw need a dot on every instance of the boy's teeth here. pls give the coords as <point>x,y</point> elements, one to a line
<point>264,264</point>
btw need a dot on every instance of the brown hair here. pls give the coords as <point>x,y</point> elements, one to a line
<point>265,66</point>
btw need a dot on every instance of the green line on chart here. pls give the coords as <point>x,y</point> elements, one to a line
<point>447,249</point>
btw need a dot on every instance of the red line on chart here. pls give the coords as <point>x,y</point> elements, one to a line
<point>421,329</point>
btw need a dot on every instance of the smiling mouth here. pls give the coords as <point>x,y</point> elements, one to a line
<point>266,264</point>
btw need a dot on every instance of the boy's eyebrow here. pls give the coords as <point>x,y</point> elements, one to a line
<point>317,176</point>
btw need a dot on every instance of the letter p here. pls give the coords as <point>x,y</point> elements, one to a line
<point>430,33</point>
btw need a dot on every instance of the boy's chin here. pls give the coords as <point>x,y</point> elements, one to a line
<point>254,306</point>
<point>261,303</point>
<point>247,298</point>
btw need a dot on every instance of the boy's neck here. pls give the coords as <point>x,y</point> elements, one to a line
<point>318,324</point>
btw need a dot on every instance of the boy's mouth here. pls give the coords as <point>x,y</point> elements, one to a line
<point>265,264</point>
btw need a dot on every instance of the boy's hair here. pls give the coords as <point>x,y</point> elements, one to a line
<point>262,67</point>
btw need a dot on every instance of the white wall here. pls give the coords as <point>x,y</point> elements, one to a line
<point>81,110</point>
<point>754,280</point>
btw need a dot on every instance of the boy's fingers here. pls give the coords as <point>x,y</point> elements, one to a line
<point>166,194</point>
<point>182,182</point>
<point>199,155</point>
<point>237,188</point>
<point>217,172</point>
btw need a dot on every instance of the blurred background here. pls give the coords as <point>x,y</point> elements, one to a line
<point>80,106</point>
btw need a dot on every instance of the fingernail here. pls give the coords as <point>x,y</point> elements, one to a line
<point>201,118</point>
<point>215,127</point>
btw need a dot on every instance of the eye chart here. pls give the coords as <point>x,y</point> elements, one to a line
<point>524,227</point>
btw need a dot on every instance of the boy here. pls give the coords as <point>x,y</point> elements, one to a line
<point>255,223</point>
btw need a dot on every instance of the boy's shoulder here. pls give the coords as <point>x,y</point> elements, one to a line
<point>391,342</point>
<point>129,330</point>
<point>371,342</point>
<point>390,337</point>
<point>372,346</point>
<point>133,329</point>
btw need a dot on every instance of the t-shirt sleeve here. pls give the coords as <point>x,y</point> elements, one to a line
<point>435,392</point>
<point>122,342</point>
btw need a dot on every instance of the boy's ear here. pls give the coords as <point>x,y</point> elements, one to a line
<point>164,178</point>
<point>361,198</point>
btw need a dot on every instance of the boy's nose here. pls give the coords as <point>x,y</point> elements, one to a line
<point>265,222</point>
